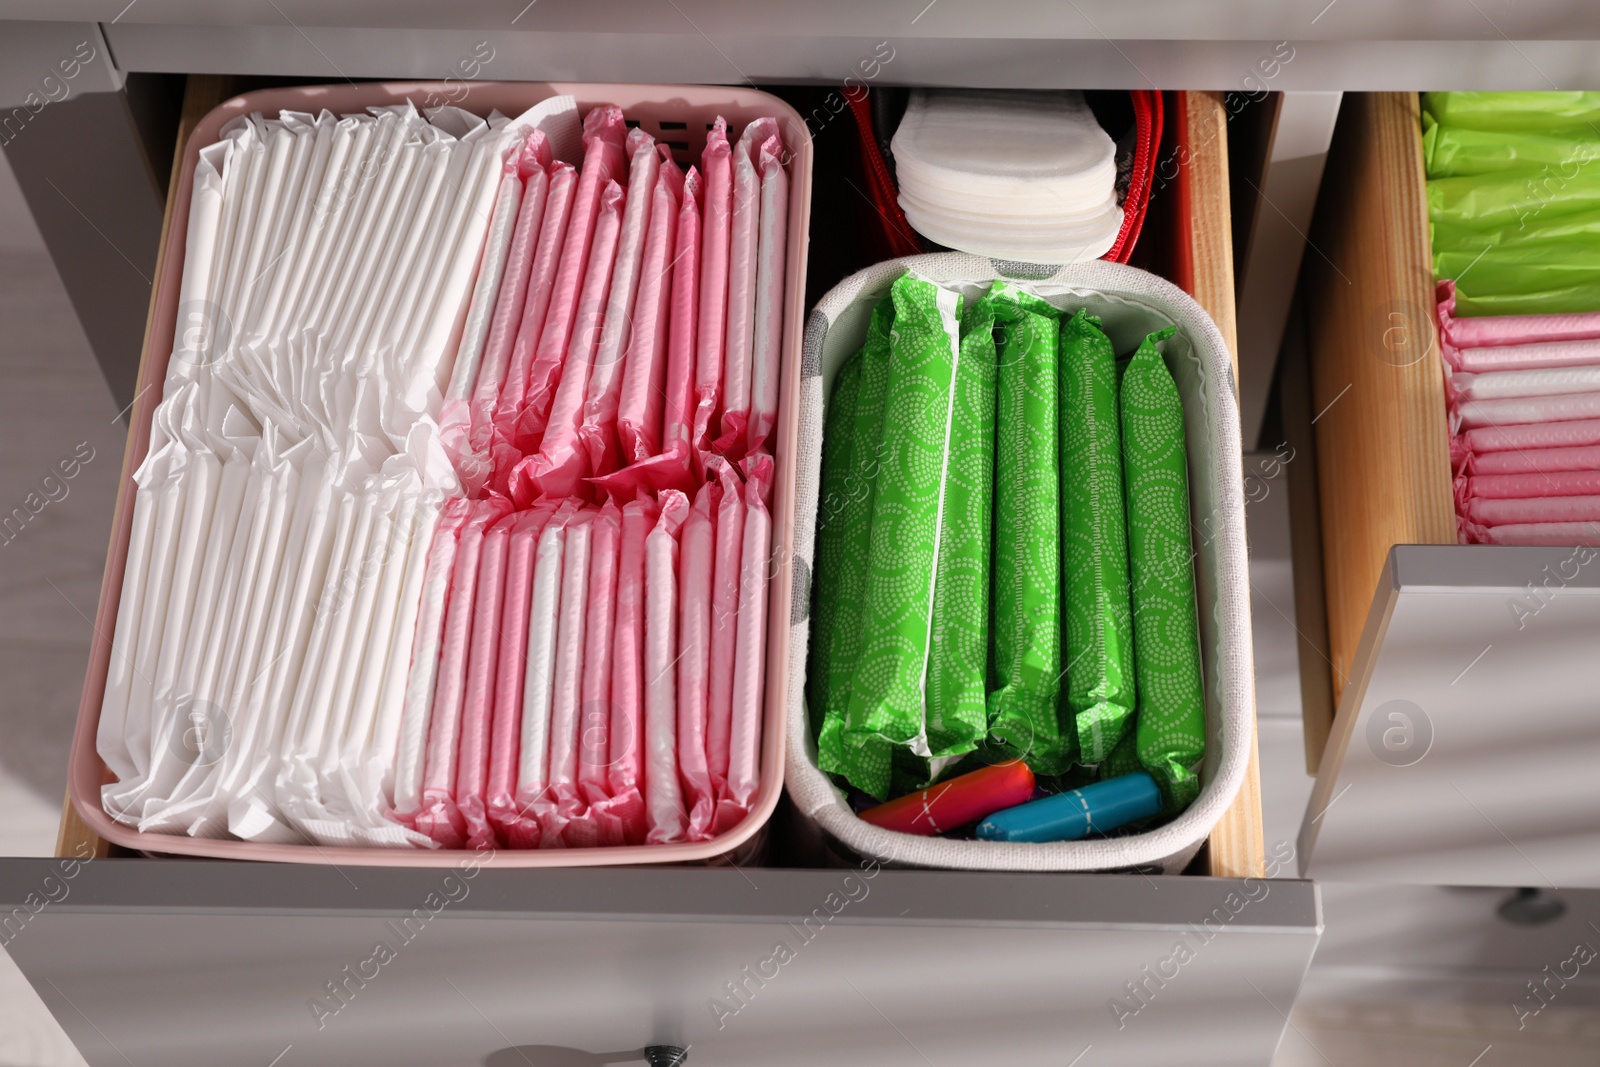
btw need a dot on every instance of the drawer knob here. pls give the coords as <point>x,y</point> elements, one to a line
<point>1532,907</point>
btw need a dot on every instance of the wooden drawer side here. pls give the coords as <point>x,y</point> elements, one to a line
<point>1382,439</point>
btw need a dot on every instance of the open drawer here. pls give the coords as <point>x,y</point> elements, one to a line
<point>178,960</point>
<point>1462,674</point>
<point>1186,239</point>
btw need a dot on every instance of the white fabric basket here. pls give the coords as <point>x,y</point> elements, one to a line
<point>1130,303</point>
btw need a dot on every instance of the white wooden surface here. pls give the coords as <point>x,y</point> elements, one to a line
<point>1465,745</point>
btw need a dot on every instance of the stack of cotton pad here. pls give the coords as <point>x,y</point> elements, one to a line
<point>1009,175</point>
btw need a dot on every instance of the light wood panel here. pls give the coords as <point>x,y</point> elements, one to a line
<point>1204,269</point>
<point>1205,266</point>
<point>1383,463</point>
<point>74,838</point>
<point>202,92</point>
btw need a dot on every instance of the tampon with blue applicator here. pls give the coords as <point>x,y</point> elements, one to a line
<point>1097,808</point>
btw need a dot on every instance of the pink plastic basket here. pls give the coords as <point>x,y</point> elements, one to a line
<point>687,112</point>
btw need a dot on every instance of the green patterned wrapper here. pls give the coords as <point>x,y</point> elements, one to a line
<point>844,517</point>
<point>909,772</point>
<point>838,452</point>
<point>888,695</point>
<point>1094,547</point>
<point>1121,760</point>
<point>1026,612</point>
<point>957,704</point>
<point>1171,723</point>
<point>958,667</point>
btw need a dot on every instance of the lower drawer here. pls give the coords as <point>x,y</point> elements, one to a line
<point>1461,673</point>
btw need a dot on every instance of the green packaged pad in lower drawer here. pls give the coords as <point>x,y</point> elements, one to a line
<point>888,697</point>
<point>851,450</point>
<point>959,656</point>
<point>930,445</point>
<point>1171,715</point>
<point>1099,629</point>
<point>840,488</point>
<point>1026,614</point>
<point>886,701</point>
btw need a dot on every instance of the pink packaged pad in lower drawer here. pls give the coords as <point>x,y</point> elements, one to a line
<point>1527,486</point>
<point>1534,460</point>
<point>594,718</point>
<point>560,465</point>
<point>505,736</point>
<point>533,797</point>
<point>563,183</point>
<point>1516,438</point>
<point>664,814</point>
<point>566,686</point>
<point>439,818</point>
<point>716,234</point>
<point>724,618</point>
<point>597,432</point>
<point>477,703</point>
<point>1556,534</point>
<point>1540,509</point>
<point>642,401</point>
<point>693,665</point>
<point>767,347</point>
<point>623,812</point>
<point>1537,356</point>
<point>1497,385</point>
<point>1475,414</point>
<point>603,162</point>
<point>744,241</point>
<point>749,670</point>
<point>671,468</point>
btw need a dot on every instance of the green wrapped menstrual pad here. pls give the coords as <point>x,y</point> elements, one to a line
<point>888,691</point>
<point>839,484</point>
<point>1025,624</point>
<point>1171,714</point>
<point>959,657</point>
<point>851,455</point>
<point>1099,630</point>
